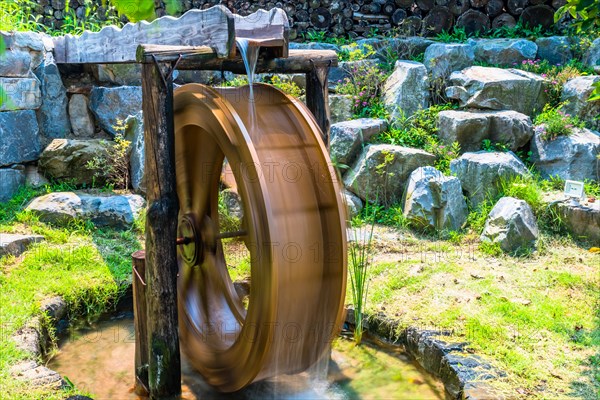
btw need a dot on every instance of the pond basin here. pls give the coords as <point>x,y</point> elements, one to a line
<point>98,360</point>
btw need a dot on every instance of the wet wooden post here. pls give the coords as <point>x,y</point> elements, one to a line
<point>164,363</point>
<point>138,260</point>
<point>317,98</point>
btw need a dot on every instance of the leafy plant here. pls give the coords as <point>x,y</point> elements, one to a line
<point>458,35</point>
<point>553,122</point>
<point>354,52</point>
<point>487,145</point>
<point>286,85</point>
<point>361,258</point>
<point>113,165</point>
<point>364,85</point>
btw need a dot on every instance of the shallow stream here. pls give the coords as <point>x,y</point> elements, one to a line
<point>99,361</point>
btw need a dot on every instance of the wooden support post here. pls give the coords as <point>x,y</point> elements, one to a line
<point>139,322</point>
<point>164,364</point>
<point>317,98</point>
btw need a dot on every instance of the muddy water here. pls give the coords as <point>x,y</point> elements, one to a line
<point>99,361</point>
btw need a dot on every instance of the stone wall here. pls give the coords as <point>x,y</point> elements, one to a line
<point>351,17</point>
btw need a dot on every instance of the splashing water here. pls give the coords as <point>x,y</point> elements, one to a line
<point>249,52</point>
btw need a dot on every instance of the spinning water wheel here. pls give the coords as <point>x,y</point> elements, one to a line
<point>293,227</point>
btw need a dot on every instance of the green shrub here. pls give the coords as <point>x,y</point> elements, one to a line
<point>353,52</point>
<point>553,122</point>
<point>364,85</point>
<point>286,85</point>
<point>113,166</point>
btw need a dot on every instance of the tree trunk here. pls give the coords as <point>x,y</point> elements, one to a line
<point>473,21</point>
<point>439,19</point>
<point>389,8</point>
<point>404,3</point>
<point>317,99</point>
<point>321,18</point>
<point>504,19</point>
<point>478,3</point>
<point>164,366</point>
<point>516,7</point>
<point>558,3</point>
<point>140,319</point>
<point>412,25</point>
<point>425,5</point>
<point>538,15</point>
<point>494,8</point>
<point>398,16</point>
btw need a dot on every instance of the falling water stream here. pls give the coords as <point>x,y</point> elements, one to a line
<point>249,52</point>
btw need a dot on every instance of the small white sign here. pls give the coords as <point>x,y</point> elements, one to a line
<point>574,189</point>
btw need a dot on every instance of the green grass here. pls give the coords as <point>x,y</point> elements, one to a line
<point>534,318</point>
<point>88,267</point>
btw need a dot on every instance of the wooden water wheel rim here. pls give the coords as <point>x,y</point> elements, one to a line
<point>294,228</point>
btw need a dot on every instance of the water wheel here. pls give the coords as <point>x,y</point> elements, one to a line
<point>293,227</point>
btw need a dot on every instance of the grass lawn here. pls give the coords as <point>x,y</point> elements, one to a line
<point>536,318</point>
<point>88,267</point>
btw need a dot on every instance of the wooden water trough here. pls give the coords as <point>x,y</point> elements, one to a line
<point>198,40</point>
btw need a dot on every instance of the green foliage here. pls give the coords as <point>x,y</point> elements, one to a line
<point>585,14</point>
<point>286,85</point>
<point>487,145</point>
<point>492,249</point>
<point>227,222</point>
<point>364,85</point>
<point>458,35</point>
<point>113,165</point>
<point>354,52</point>
<point>553,122</point>
<point>141,10</point>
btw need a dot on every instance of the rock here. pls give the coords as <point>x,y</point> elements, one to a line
<point>354,204</point>
<point>119,74</point>
<point>104,210</point>
<point>381,171</point>
<point>480,173</point>
<point>504,52</point>
<point>406,48</point>
<point>511,223</point>
<point>233,201</point>
<point>15,64</point>
<point>500,89</point>
<point>441,59</point>
<point>110,105</point>
<point>52,115</point>
<point>55,307</point>
<point>575,95</point>
<point>592,57</point>
<point>33,178</point>
<point>569,157</point>
<point>134,132</point>
<point>28,340</point>
<point>37,375</point>
<point>314,46</point>
<point>81,119</point>
<point>20,94</point>
<point>433,201</point>
<point>66,159</point>
<point>554,49</point>
<point>340,107</point>
<point>15,244</point>
<point>19,137</point>
<point>348,138</point>
<point>11,179</point>
<point>470,128</point>
<point>582,220</point>
<point>30,42</point>
<point>406,91</point>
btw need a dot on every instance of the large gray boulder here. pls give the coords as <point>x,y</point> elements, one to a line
<point>406,91</point>
<point>52,115</point>
<point>471,128</point>
<point>81,119</point>
<point>11,179</point>
<point>498,89</point>
<point>30,42</point>
<point>434,202</point>
<point>569,157</point>
<point>340,108</point>
<point>381,171</point>
<point>104,210</point>
<point>19,137</point>
<point>481,173</point>
<point>14,244</point>
<point>20,94</point>
<point>575,95</point>
<point>504,52</point>
<point>134,133</point>
<point>347,138</point>
<point>511,223</point>
<point>582,220</point>
<point>15,64</point>
<point>354,204</point>
<point>554,49</point>
<point>66,159</point>
<point>592,57</point>
<point>441,59</point>
<point>110,105</point>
